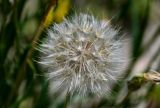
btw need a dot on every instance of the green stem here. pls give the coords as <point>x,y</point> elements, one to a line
<point>67,100</point>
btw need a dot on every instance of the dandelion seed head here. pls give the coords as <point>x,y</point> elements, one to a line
<point>82,55</point>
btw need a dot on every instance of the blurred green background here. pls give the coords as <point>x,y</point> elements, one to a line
<point>23,24</point>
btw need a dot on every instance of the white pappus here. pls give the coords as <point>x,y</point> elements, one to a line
<point>81,55</point>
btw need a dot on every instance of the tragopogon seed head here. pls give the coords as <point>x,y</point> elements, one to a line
<point>81,55</point>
